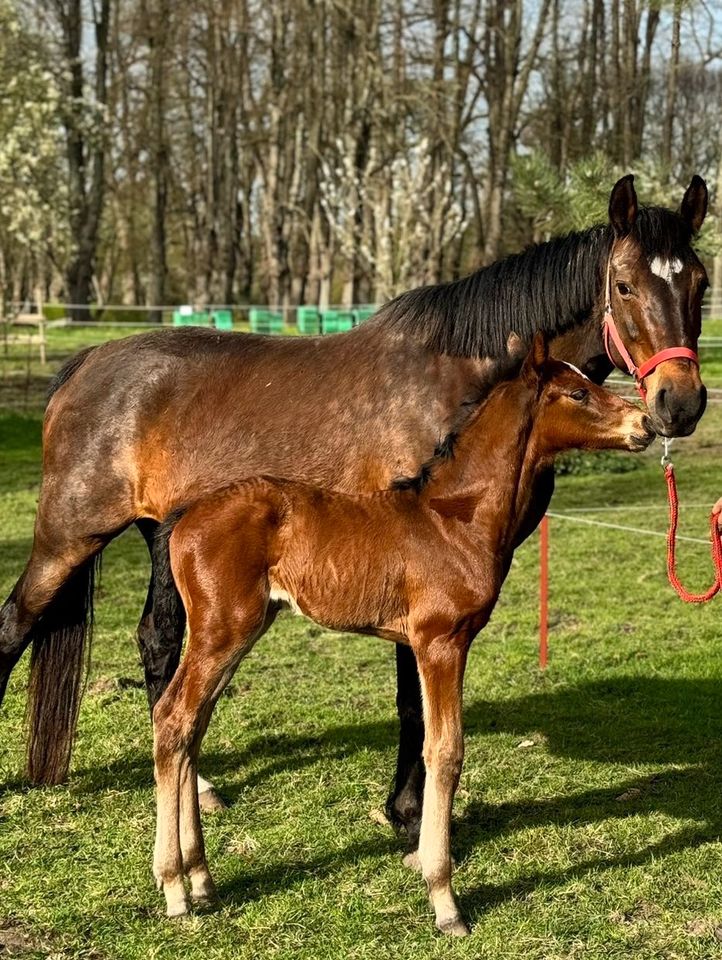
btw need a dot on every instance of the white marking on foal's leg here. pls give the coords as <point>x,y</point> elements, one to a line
<point>665,268</point>
<point>167,859</point>
<point>443,751</point>
<point>203,889</point>
<point>204,784</point>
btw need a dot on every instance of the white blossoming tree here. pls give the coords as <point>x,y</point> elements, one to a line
<point>33,196</point>
<point>399,226</point>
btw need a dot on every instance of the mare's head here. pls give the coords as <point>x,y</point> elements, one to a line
<point>572,412</point>
<point>655,284</point>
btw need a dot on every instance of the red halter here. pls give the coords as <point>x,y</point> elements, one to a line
<point>639,373</point>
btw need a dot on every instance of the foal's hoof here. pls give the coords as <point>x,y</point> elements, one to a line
<point>203,892</point>
<point>210,801</point>
<point>453,927</point>
<point>179,908</point>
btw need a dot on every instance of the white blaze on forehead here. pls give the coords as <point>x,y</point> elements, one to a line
<point>575,369</point>
<point>665,268</point>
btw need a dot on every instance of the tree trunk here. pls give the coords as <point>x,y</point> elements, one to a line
<point>85,153</point>
<point>671,100</point>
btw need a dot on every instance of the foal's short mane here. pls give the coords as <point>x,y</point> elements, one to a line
<point>444,450</point>
<point>549,286</point>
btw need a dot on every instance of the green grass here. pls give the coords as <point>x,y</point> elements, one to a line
<point>587,823</point>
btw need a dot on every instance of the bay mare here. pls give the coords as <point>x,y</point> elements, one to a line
<point>138,426</point>
<point>421,564</point>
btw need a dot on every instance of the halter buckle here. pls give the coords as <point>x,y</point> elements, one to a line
<point>666,458</point>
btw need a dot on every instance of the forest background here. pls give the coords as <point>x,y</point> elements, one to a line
<point>334,151</point>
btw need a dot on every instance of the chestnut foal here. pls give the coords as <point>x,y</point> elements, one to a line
<point>420,564</point>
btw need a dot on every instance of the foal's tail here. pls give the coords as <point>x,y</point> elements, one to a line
<point>58,668</point>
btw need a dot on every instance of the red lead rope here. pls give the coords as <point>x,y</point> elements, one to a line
<point>716,538</point>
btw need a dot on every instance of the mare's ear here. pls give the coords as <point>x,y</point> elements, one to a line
<point>623,206</point>
<point>536,358</point>
<point>694,203</point>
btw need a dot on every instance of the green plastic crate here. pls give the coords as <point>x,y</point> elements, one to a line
<point>337,321</point>
<point>191,318</point>
<point>308,320</point>
<point>265,321</point>
<point>223,319</point>
<point>364,313</point>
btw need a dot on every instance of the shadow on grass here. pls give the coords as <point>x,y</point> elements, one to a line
<point>620,721</point>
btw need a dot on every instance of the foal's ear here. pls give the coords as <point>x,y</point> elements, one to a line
<point>694,203</point>
<point>536,358</point>
<point>623,206</point>
<point>540,350</point>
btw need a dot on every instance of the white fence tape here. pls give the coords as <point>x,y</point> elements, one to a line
<point>619,526</point>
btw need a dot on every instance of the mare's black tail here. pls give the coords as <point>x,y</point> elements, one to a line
<point>58,668</point>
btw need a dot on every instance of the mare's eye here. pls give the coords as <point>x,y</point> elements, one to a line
<point>624,289</point>
<point>579,395</point>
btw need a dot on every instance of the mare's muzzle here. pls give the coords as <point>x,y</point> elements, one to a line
<point>676,398</point>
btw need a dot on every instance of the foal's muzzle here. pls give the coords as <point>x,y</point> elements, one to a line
<point>640,441</point>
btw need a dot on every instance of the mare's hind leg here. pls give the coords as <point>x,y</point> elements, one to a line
<point>160,636</point>
<point>403,807</point>
<point>160,639</point>
<point>46,573</point>
<point>51,605</point>
<point>180,720</point>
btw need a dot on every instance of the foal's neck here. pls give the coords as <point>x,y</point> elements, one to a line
<point>493,463</point>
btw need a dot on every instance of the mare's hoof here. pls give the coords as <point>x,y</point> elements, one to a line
<point>453,927</point>
<point>210,801</point>
<point>412,861</point>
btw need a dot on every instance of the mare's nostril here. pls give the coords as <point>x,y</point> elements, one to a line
<point>661,406</point>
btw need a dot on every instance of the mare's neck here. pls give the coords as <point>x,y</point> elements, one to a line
<point>583,345</point>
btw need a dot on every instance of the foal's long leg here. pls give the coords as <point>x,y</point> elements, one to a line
<point>441,668</point>
<point>160,638</point>
<point>193,849</point>
<point>180,720</point>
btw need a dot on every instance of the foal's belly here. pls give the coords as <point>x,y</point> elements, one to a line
<point>341,567</point>
<point>348,604</point>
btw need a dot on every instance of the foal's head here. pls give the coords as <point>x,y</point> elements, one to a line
<point>572,412</point>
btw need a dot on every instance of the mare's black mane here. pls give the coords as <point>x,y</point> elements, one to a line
<point>550,286</point>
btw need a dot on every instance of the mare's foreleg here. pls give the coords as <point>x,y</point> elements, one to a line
<point>441,668</point>
<point>403,806</point>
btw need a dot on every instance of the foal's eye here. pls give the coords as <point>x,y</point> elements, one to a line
<point>624,289</point>
<point>579,395</point>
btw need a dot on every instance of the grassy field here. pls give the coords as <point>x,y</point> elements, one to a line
<point>588,820</point>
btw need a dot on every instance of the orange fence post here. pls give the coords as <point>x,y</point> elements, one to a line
<point>543,592</point>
